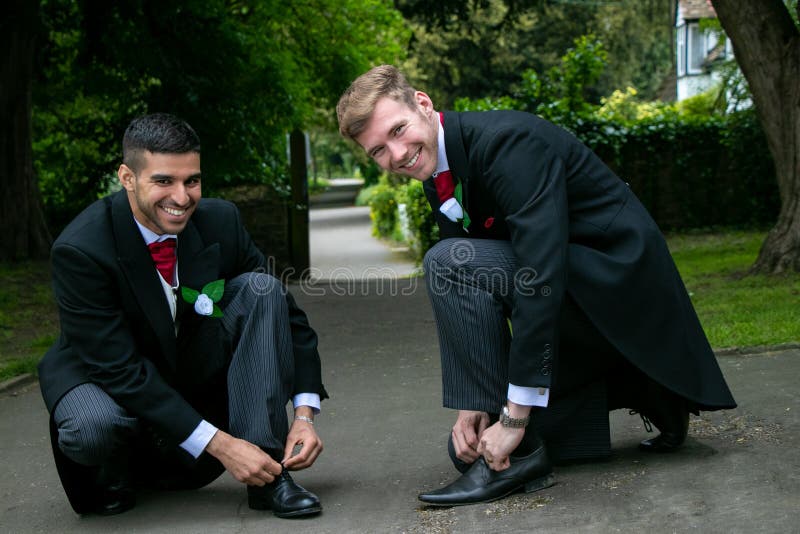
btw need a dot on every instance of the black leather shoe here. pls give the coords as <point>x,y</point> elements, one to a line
<point>481,484</point>
<point>669,412</point>
<point>115,499</point>
<point>284,497</point>
<point>115,493</point>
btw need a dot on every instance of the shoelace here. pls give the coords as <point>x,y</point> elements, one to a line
<point>647,424</point>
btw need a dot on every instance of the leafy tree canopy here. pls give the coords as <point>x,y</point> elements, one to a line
<point>242,72</point>
<point>477,48</point>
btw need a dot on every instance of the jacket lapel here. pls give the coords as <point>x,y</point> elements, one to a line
<point>456,154</point>
<point>197,264</point>
<point>137,265</point>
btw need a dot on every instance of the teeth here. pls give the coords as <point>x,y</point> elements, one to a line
<point>413,160</point>
<point>173,211</point>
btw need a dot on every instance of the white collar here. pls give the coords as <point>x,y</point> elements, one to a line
<point>150,236</point>
<point>441,156</point>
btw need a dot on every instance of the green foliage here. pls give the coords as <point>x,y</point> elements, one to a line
<point>623,107</point>
<point>488,103</point>
<point>382,201</point>
<point>242,72</point>
<point>422,228</point>
<point>561,93</point>
<point>477,49</point>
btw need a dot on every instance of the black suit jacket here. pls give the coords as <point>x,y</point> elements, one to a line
<point>575,227</point>
<point>116,327</point>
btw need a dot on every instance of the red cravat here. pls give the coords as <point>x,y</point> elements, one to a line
<point>444,180</point>
<point>444,185</point>
<point>163,253</point>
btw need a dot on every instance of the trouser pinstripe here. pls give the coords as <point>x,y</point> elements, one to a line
<point>92,427</point>
<point>470,284</point>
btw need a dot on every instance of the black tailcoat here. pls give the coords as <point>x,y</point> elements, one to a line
<point>575,227</point>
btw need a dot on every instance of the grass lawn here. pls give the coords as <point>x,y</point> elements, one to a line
<point>736,310</point>
<point>28,316</point>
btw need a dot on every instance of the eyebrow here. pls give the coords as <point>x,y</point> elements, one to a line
<point>155,177</point>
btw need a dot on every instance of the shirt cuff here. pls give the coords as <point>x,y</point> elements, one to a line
<point>529,396</point>
<point>197,441</point>
<point>307,399</point>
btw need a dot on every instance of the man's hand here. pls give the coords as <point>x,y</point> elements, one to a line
<point>245,461</point>
<point>302,434</point>
<point>467,432</point>
<point>497,442</point>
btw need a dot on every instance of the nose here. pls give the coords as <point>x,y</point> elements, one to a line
<point>397,151</point>
<point>179,195</point>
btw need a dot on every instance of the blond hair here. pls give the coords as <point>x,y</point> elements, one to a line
<point>356,105</point>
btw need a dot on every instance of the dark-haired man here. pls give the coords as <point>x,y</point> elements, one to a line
<point>177,353</point>
<point>536,229</point>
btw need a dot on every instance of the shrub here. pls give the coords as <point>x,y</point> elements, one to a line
<point>382,207</point>
<point>424,232</point>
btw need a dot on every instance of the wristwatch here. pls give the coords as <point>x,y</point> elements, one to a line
<point>511,422</point>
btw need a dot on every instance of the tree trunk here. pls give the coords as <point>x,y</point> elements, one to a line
<point>24,233</point>
<point>766,43</point>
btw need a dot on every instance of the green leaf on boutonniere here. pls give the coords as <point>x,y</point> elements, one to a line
<point>189,295</point>
<point>214,290</point>
<point>204,300</point>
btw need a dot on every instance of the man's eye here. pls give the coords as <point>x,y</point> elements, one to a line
<point>398,130</point>
<point>377,152</point>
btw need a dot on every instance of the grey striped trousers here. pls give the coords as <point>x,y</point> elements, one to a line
<point>470,285</point>
<point>92,427</point>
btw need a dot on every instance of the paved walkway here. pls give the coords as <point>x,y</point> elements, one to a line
<point>342,247</point>
<point>385,431</point>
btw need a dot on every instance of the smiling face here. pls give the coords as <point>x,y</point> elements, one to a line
<point>165,192</point>
<point>402,139</point>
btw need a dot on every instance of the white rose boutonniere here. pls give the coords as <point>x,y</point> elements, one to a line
<point>204,305</point>
<point>452,209</point>
<point>205,300</point>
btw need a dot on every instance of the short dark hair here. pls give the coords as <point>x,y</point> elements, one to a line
<point>157,133</point>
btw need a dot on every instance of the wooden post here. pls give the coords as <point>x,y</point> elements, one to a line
<point>298,210</point>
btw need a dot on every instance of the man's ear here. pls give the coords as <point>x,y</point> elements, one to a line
<point>424,103</point>
<point>127,177</point>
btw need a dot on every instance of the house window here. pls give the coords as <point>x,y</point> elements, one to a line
<point>681,51</point>
<point>695,48</point>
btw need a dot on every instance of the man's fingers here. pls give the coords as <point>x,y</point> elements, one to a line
<point>287,451</point>
<point>305,457</point>
<point>463,451</point>
<point>483,424</point>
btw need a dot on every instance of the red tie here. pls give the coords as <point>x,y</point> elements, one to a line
<point>444,185</point>
<point>444,180</point>
<point>163,253</point>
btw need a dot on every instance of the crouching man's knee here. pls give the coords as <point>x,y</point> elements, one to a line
<point>91,426</point>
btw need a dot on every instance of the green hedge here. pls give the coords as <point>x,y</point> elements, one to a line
<point>692,173</point>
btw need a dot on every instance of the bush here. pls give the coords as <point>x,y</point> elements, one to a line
<point>382,202</point>
<point>422,227</point>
